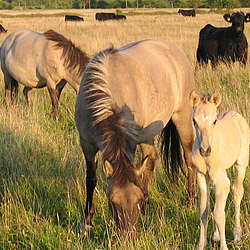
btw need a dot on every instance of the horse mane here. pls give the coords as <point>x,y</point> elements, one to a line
<point>73,56</point>
<point>116,135</point>
<point>205,97</point>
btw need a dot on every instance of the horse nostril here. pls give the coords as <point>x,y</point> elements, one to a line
<point>205,153</point>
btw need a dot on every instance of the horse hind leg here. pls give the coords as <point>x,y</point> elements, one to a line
<point>27,95</point>
<point>148,150</point>
<point>14,90</point>
<point>183,123</point>
<point>11,88</point>
<point>238,191</point>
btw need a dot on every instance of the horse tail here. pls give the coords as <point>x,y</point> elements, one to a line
<point>171,151</point>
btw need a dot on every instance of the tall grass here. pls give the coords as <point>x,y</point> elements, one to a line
<point>42,170</point>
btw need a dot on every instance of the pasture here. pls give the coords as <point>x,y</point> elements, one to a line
<point>42,170</point>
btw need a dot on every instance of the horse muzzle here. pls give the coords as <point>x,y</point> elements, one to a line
<point>205,152</point>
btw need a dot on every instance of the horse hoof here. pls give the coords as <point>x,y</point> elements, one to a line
<point>237,241</point>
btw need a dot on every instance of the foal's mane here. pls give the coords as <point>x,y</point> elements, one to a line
<point>73,56</point>
<point>116,135</point>
<point>205,97</point>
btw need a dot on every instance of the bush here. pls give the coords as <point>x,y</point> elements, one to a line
<point>4,5</point>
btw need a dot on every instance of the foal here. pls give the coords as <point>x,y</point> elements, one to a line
<point>221,141</point>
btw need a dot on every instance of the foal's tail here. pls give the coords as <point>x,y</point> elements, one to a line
<point>171,150</point>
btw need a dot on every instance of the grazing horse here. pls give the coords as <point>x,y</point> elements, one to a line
<point>221,141</point>
<point>128,96</point>
<point>37,60</point>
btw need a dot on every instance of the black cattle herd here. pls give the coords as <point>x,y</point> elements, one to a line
<point>215,44</point>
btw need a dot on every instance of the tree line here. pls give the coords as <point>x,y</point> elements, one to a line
<point>106,4</point>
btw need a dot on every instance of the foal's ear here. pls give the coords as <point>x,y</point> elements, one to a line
<point>194,98</point>
<point>108,168</point>
<point>228,18</point>
<point>140,166</point>
<point>215,98</point>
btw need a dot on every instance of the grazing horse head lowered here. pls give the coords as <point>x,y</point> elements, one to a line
<point>128,96</point>
<point>222,140</point>
<point>37,60</point>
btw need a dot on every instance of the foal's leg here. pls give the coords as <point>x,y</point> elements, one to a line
<point>222,187</point>
<point>183,122</point>
<point>148,149</point>
<point>89,152</point>
<point>27,95</point>
<point>204,208</point>
<point>238,190</point>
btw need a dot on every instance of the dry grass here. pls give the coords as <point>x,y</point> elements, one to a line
<point>42,171</point>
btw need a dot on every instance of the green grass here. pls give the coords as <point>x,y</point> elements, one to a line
<point>42,169</point>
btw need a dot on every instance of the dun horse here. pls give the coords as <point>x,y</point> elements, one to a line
<point>127,96</point>
<point>221,141</point>
<point>37,60</point>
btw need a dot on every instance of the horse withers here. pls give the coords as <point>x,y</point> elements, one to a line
<point>128,96</point>
<point>221,141</point>
<point>37,60</point>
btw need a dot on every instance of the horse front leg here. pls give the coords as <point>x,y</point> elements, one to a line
<point>54,100</point>
<point>204,208</point>
<point>148,150</point>
<point>59,88</point>
<point>91,180</point>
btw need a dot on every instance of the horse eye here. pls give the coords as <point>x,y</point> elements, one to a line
<point>215,121</point>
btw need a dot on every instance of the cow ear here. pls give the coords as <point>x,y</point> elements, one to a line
<point>247,17</point>
<point>108,168</point>
<point>194,98</point>
<point>215,98</point>
<point>228,18</point>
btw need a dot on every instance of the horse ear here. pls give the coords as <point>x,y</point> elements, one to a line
<point>215,98</point>
<point>140,166</point>
<point>228,18</point>
<point>194,98</point>
<point>247,17</point>
<point>108,168</point>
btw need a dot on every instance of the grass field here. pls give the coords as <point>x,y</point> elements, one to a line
<point>42,170</point>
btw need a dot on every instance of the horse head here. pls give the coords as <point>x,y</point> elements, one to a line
<point>204,118</point>
<point>125,196</point>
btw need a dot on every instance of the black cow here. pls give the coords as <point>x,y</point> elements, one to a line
<point>2,29</point>
<point>104,16</point>
<point>226,44</point>
<point>73,18</point>
<point>120,17</point>
<point>187,12</point>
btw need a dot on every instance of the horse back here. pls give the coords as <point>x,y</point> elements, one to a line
<point>152,78</point>
<point>231,141</point>
<point>27,56</point>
